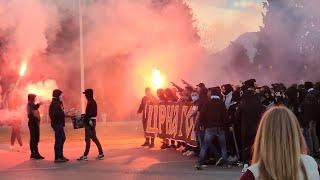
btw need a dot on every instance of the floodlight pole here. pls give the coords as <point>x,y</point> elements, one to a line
<point>81,56</point>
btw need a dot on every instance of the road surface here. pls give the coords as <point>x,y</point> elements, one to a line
<point>125,159</point>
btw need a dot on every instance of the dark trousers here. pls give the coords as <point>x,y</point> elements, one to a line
<point>308,138</point>
<point>16,134</point>
<point>60,138</point>
<point>199,137</point>
<point>230,143</point>
<point>318,130</point>
<point>247,141</point>
<point>149,140</point>
<point>90,134</point>
<point>34,130</point>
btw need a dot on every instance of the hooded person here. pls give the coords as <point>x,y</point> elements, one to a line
<point>201,86</point>
<point>147,99</point>
<point>267,98</point>
<point>227,91</point>
<point>248,113</point>
<point>212,118</point>
<point>34,126</point>
<point>57,116</point>
<point>90,118</point>
<point>279,94</point>
<point>249,84</point>
<point>310,116</point>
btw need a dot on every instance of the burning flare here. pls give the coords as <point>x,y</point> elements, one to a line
<point>157,79</point>
<point>23,68</point>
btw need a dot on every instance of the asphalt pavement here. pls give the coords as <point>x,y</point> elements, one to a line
<point>124,158</point>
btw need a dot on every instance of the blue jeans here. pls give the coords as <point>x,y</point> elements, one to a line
<point>199,137</point>
<point>209,135</point>
<point>307,136</point>
<point>60,138</point>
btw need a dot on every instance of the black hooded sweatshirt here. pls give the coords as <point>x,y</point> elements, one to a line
<point>56,112</point>
<point>91,110</point>
<point>213,114</point>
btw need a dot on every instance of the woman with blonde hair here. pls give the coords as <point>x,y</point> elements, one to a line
<point>280,152</point>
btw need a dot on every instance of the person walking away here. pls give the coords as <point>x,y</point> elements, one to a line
<point>280,151</point>
<point>57,116</point>
<point>90,126</point>
<point>213,117</point>
<point>148,98</point>
<point>34,126</point>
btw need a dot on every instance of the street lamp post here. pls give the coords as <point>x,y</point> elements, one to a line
<point>81,56</point>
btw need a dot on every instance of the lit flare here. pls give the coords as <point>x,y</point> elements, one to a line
<point>23,68</point>
<point>157,79</point>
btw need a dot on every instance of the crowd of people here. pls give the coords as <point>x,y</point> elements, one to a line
<point>228,116</point>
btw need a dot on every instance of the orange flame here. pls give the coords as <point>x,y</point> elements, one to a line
<point>42,89</point>
<point>157,79</point>
<point>23,68</point>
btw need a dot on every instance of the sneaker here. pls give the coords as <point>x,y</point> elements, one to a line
<point>39,157</point>
<point>226,166</point>
<point>60,160</point>
<point>181,149</point>
<point>230,158</point>
<point>245,168</point>
<point>100,157</point>
<point>219,162</point>
<point>186,153</point>
<point>151,145</point>
<point>199,167</point>
<point>66,159</point>
<point>191,153</point>
<point>173,146</point>
<point>145,144</point>
<point>164,146</point>
<point>235,158</point>
<point>239,163</point>
<point>83,158</point>
<point>184,150</point>
<point>21,149</point>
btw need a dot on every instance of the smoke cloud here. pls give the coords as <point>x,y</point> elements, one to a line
<point>125,40</point>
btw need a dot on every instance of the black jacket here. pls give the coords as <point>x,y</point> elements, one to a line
<point>30,108</point>
<point>213,114</point>
<point>249,112</point>
<point>310,108</point>
<point>232,114</point>
<point>91,110</point>
<point>56,112</point>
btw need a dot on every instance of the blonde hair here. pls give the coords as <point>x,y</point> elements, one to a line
<point>278,146</point>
